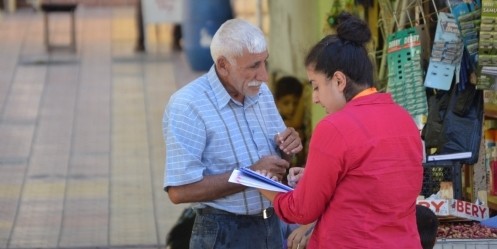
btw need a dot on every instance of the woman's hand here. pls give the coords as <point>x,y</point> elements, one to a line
<point>300,236</point>
<point>294,176</point>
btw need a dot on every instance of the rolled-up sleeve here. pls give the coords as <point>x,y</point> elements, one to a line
<point>185,139</point>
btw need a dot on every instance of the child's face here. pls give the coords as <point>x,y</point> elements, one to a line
<point>286,105</point>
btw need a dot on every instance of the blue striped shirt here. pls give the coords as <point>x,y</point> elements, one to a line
<point>207,133</point>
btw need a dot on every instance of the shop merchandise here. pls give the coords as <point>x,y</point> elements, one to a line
<point>488,46</point>
<point>405,75</point>
<point>446,53</point>
<point>467,16</point>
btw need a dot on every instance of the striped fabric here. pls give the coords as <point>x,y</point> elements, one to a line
<point>206,133</point>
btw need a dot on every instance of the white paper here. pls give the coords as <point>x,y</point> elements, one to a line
<point>255,182</point>
<point>452,156</point>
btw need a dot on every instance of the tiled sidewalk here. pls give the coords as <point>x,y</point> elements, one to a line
<point>81,149</point>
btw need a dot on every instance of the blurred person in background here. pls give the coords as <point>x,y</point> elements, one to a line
<point>427,223</point>
<point>290,101</point>
<point>140,39</point>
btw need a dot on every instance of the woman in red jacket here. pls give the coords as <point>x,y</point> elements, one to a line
<point>364,167</point>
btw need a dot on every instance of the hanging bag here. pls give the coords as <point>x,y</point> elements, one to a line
<point>432,134</point>
<point>462,124</point>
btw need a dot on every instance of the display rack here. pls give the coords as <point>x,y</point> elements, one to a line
<point>438,171</point>
<point>402,14</point>
<point>423,15</point>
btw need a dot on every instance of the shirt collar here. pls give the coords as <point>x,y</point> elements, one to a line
<point>378,98</point>
<point>222,96</point>
<point>366,92</point>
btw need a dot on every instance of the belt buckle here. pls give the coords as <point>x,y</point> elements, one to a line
<point>267,213</point>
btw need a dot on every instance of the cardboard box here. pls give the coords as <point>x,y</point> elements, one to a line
<point>456,208</point>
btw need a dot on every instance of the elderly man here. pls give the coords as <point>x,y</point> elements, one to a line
<point>221,121</point>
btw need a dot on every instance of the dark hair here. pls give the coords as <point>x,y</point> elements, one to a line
<point>288,85</point>
<point>345,51</point>
<point>427,223</point>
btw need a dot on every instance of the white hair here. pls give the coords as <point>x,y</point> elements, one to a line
<point>234,36</point>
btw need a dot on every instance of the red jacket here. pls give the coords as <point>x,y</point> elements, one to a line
<point>363,174</point>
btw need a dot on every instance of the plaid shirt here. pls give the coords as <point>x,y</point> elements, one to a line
<point>207,133</point>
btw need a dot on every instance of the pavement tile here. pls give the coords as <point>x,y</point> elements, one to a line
<point>76,168</point>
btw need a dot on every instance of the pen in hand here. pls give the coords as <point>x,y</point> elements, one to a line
<point>294,176</point>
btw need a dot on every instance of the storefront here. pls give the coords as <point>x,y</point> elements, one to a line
<point>424,51</point>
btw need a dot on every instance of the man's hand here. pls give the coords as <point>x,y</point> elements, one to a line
<point>273,165</point>
<point>289,141</point>
<point>268,175</point>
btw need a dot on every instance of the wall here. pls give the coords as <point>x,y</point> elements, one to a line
<point>255,11</point>
<point>294,27</point>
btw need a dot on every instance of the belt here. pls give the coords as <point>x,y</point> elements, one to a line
<point>265,214</point>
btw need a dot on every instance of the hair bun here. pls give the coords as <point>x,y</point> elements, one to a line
<point>353,29</point>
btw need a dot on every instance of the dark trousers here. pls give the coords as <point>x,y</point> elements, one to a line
<point>214,228</point>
